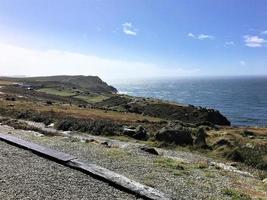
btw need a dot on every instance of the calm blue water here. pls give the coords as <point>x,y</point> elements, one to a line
<point>242,100</point>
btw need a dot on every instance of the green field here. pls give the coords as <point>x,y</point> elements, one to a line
<point>54,91</point>
<point>92,99</point>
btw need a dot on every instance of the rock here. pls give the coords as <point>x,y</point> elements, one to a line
<point>233,164</point>
<point>51,125</point>
<point>222,142</point>
<point>249,145</point>
<point>200,139</point>
<point>151,150</point>
<point>177,136</point>
<point>138,133</point>
<point>264,181</point>
<point>128,131</point>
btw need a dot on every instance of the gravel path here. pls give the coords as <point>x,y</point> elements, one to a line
<point>24,175</point>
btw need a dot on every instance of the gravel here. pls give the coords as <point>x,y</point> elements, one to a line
<point>189,183</point>
<point>24,175</point>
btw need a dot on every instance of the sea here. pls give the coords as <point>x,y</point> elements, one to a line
<point>243,100</point>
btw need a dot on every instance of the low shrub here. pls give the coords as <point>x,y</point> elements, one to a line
<point>251,157</point>
<point>96,127</point>
<point>236,195</point>
<point>247,133</point>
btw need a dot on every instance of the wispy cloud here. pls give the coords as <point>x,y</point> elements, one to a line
<point>254,41</point>
<point>242,63</point>
<point>264,32</point>
<point>25,61</point>
<point>229,43</point>
<point>191,35</point>
<point>129,29</point>
<point>201,36</point>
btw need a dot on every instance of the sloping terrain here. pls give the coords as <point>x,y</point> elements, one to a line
<point>86,83</point>
<point>178,172</point>
<point>196,138</point>
<point>165,110</point>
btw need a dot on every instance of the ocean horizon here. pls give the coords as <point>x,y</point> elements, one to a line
<point>242,99</point>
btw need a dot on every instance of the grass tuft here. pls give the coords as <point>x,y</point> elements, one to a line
<point>236,195</point>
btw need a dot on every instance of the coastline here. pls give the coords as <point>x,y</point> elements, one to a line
<point>238,99</point>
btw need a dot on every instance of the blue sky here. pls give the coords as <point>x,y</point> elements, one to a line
<point>133,38</point>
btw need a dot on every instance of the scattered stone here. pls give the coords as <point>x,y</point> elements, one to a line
<point>106,144</point>
<point>249,145</point>
<point>51,125</point>
<point>233,164</point>
<point>230,168</point>
<point>151,150</point>
<point>90,140</point>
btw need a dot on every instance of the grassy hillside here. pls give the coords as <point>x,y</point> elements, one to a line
<point>86,83</point>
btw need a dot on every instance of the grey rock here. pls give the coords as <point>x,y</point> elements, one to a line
<point>177,136</point>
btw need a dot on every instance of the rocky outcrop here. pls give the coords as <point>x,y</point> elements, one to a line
<point>200,139</point>
<point>165,110</point>
<point>138,133</point>
<point>180,136</point>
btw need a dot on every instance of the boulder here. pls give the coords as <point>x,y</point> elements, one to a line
<point>200,139</point>
<point>138,133</point>
<point>151,150</point>
<point>223,142</point>
<point>180,136</point>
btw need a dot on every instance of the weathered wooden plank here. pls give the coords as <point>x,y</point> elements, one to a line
<point>46,152</point>
<point>91,169</point>
<point>119,180</point>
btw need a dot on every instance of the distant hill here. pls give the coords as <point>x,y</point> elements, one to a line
<point>87,83</point>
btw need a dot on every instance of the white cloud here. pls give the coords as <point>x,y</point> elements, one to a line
<point>254,41</point>
<point>191,35</point>
<point>16,60</point>
<point>229,43</point>
<point>201,36</point>
<point>242,63</point>
<point>264,32</point>
<point>129,29</point>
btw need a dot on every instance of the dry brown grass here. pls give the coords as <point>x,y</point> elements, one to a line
<point>75,111</point>
<point>2,82</point>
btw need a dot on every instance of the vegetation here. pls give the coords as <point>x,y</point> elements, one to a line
<point>59,92</point>
<point>24,126</point>
<point>92,98</point>
<point>96,127</point>
<point>236,195</point>
<point>164,110</point>
<point>169,163</point>
<point>87,104</point>
<point>86,83</point>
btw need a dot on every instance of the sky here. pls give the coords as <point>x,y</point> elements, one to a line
<point>123,39</point>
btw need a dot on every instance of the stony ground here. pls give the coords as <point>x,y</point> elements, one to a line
<point>24,175</point>
<point>184,176</point>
